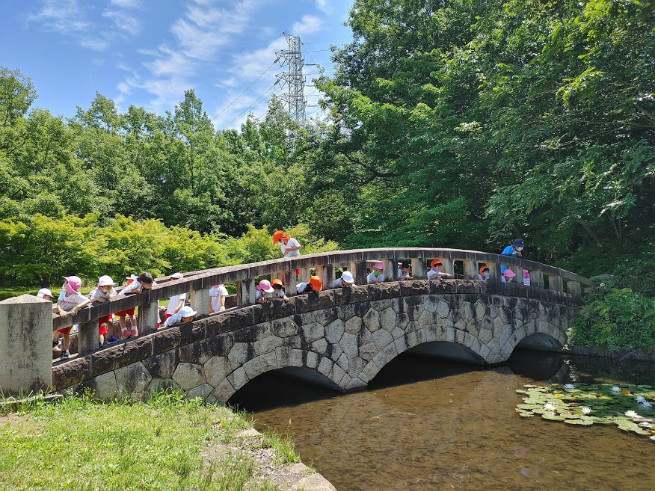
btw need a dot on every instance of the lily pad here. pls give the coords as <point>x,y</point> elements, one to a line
<point>592,403</point>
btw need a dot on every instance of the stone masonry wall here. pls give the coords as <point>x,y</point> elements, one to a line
<point>347,335</point>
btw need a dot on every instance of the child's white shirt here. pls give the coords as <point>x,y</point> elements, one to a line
<point>174,302</point>
<point>371,278</point>
<point>69,302</point>
<point>98,293</point>
<point>216,292</point>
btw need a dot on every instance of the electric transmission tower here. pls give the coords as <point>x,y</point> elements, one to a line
<point>293,77</point>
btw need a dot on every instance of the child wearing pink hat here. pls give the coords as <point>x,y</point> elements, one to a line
<point>377,273</point>
<point>69,302</point>
<point>508,276</point>
<point>264,291</point>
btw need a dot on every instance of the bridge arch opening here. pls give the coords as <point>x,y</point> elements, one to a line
<point>281,387</point>
<point>540,342</point>
<point>448,351</point>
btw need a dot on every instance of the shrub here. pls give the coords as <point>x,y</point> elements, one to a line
<point>616,318</point>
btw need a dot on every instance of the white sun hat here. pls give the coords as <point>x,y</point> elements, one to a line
<point>105,281</point>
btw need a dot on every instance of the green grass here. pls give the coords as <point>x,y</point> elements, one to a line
<point>77,442</point>
<point>284,448</point>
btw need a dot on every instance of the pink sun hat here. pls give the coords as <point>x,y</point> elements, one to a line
<point>379,265</point>
<point>265,286</point>
<point>509,273</point>
<point>73,284</point>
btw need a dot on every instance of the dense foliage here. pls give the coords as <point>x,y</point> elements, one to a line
<point>455,123</point>
<point>466,123</point>
<point>616,318</point>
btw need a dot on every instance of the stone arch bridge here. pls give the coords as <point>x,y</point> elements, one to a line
<point>340,337</point>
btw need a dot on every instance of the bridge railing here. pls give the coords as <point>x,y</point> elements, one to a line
<point>26,322</point>
<point>293,270</point>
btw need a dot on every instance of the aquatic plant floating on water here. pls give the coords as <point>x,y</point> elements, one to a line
<point>630,407</point>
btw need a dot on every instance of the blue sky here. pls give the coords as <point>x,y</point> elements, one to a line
<point>148,52</point>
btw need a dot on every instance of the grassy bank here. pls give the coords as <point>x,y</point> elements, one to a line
<point>166,442</point>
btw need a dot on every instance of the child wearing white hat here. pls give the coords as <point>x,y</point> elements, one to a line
<point>345,280</point>
<point>103,292</point>
<point>186,314</point>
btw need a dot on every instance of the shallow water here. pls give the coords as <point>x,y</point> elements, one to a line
<point>435,424</point>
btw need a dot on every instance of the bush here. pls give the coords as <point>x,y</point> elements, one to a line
<point>616,318</point>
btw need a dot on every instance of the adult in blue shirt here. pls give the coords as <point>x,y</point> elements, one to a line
<point>514,250</point>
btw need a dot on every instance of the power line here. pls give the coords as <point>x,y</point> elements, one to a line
<point>244,90</point>
<point>252,105</point>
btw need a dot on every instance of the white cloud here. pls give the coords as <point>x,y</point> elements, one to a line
<point>228,82</point>
<point>309,24</point>
<point>324,6</point>
<point>126,4</point>
<point>61,16</point>
<point>123,21</point>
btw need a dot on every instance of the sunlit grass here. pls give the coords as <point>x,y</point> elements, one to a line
<point>80,443</point>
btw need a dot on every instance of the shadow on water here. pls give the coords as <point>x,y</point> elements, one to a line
<point>287,388</point>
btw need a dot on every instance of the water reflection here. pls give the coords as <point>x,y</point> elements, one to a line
<point>428,423</point>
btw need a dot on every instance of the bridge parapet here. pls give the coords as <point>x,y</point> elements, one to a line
<point>198,283</point>
<point>346,335</point>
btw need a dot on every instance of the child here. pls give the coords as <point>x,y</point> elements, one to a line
<point>377,274</point>
<point>315,285</point>
<point>278,286</point>
<point>142,282</point>
<point>405,271</point>
<point>508,276</point>
<point>217,294</point>
<point>127,313</point>
<point>103,292</point>
<point>186,314</point>
<point>176,302</point>
<point>289,246</point>
<point>483,274</point>
<point>526,277</point>
<point>69,302</point>
<point>435,272</point>
<point>345,280</point>
<point>264,291</point>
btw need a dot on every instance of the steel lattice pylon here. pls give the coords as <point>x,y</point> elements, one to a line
<point>293,77</point>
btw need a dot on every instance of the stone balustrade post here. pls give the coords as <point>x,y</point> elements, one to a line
<point>574,288</point>
<point>448,266</point>
<point>358,269</point>
<point>200,301</point>
<point>390,269</point>
<point>88,337</point>
<point>246,292</point>
<point>326,274</point>
<point>494,271</point>
<point>25,344</point>
<point>555,283</point>
<point>419,270</point>
<point>470,271</point>
<point>537,279</point>
<point>290,280</point>
<point>148,318</point>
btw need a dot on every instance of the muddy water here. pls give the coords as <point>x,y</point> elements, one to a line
<point>434,424</point>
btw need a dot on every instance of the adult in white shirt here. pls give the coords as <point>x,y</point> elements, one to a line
<point>289,246</point>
